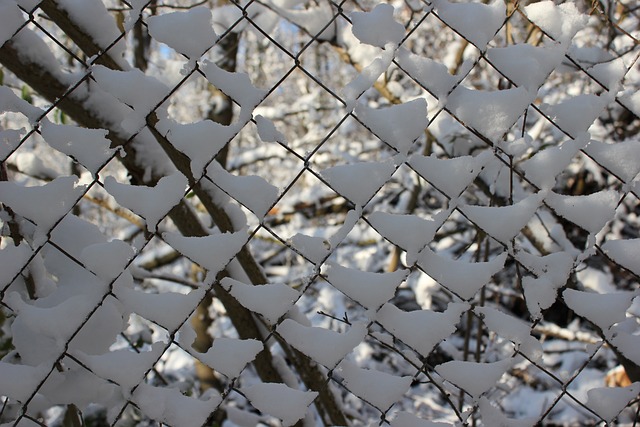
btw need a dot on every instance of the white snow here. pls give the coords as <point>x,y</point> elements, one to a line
<point>58,196</point>
<point>575,115</point>
<point>589,212</point>
<point>539,294</point>
<point>312,19</point>
<point>491,113</point>
<point>94,19</point>
<point>410,326</point>
<point>503,223</point>
<point>429,73</point>
<point>609,73</point>
<point>168,309</point>
<point>314,248</point>
<point>621,158</point>
<point>126,367</point>
<point>188,32</point>
<point>271,300</point>
<point>211,252</point>
<point>464,18</point>
<point>151,203</point>
<point>10,20</point>
<point>561,22</point>
<point>451,176</point>
<point>20,381</point>
<point>267,130</point>
<point>229,356</point>
<point>473,377</point>
<point>358,182</point>
<point>513,329</point>
<point>377,28</point>
<point>107,260</point>
<point>409,122</point>
<point>200,141</point>
<point>169,405</point>
<point>280,401</point>
<point>409,232</point>
<point>463,278</point>
<point>367,77</point>
<point>12,259</point>
<point>369,289</point>
<point>545,165</point>
<point>526,65</point>
<point>90,147</point>
<point>254,192</point>
<point>624,252</point>
<point>325,346</point>
<point>378,388</point>
<point>603,310</point>
<point>608,402</point>
<point>492,416</point>
<point>237,86</point>
<point>407,419</point>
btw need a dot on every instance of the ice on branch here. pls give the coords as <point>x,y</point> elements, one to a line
<point>464,18</point>
<point>278,400</point>
<point>378,388</point>
<point>271,300</point>
<point>151,203</point>
<point>410,326</point>
<point>369,289</point>
<point>189,33</point>
<point>325,346</point>
<point>409,119</point>
<point>473,377</point>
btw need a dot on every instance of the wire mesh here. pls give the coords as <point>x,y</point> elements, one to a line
<point>99,292</point>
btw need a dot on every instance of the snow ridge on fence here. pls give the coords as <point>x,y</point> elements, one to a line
<point>324,213</point>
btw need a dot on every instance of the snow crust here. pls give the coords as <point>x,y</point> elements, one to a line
<point>278,400</point>
<point>450,176</point>
<point>188,32</point>
<point>325,346</point>
<point>271,300</point>
<point>378,388</point>
<point>169,405</point>
<point>377,28</point>
<point>358,182</point>
<point>211,252</point>
<point>463,278</point>
<point>410,326</point>
<point>589,212</point>
<point>151,203</point>
<point>464,18</point>
<point>367,288</point>
<point>409,119</point>
<point>473,377</point>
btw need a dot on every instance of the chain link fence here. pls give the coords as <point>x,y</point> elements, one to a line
<point>323,213</point>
